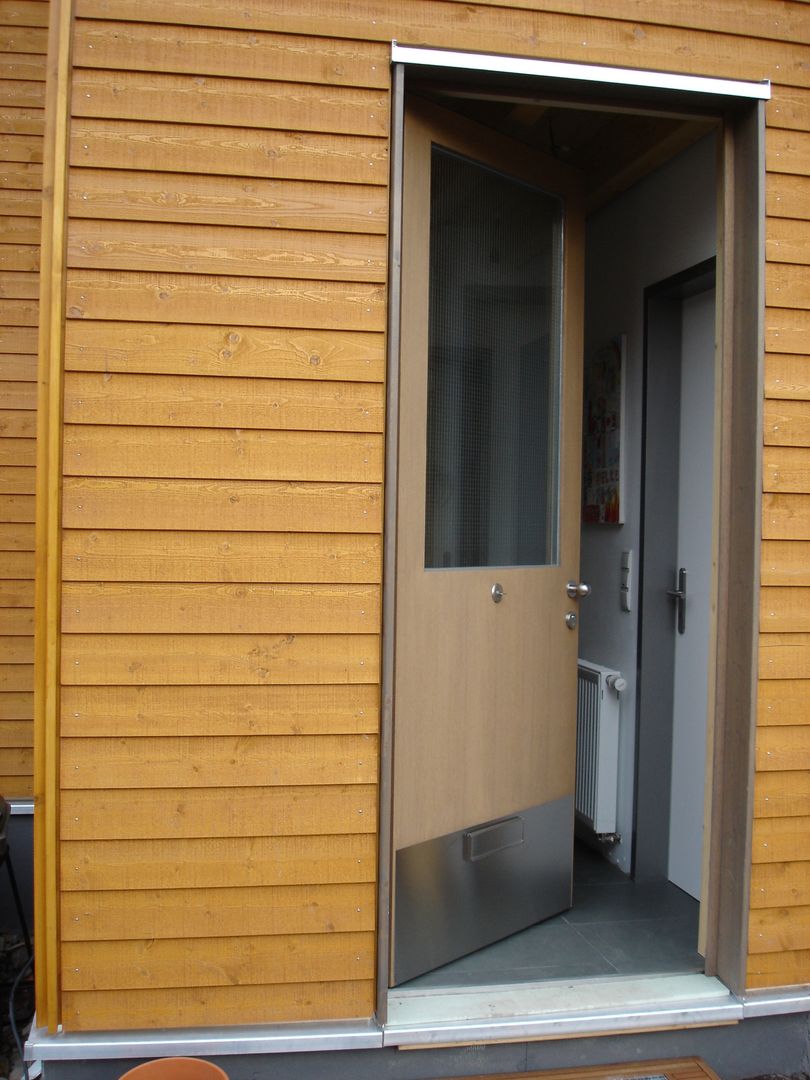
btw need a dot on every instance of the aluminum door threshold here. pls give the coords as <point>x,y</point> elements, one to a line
<point>556,1009</point>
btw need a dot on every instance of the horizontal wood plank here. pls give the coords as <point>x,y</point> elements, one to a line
<point>236,505</point>
<point>16,564</point>
<point>203,51</point>
<point>588,38</point>
<point>783,701</point>
<point>786,249</point>
<point>114,965</point>
<point>23,39</point>
<point>17,622</point>
<point>20,176</point>
<point>782,794</point>
<point>16,536</point>
<point>779,930</point>
<point>16,594</point>
<point>786,330</point>
<point>778,969</point>
<point>203,401</point>
<point>248,252</point>
<point>228,151</point>
<point>787,151</point>
<point>224,812</point>
<point>195,607</point>
<point>140,555</point>
<point>194,1006</point>
<point>785,517</point>
<point>787,376</point>
<point>785,609</point>
<point>16,677</point>
<point>17,508</point>
<point>221,659</point>
<point>19,284</point>
<point>191,298</point>
<point>787,196</point>
<point>780,839</point>
<point>20,257</point>
<point>216,200</point>
<point>783,748</point>
<point>213,913</point>
<point>17,368</point>
<point>17,649</point>
<point>17,704</point>
<point>786,424</point>
<point>16,733</point>
<point>121,711</point>
<point>218,453</point>
<point>20,203</point>
<point>16,761</point>
<point>224,761</point>
<point>204,863</point>
<point>780,884</point>
<point>16,13</point>
<point>17,452</point>
<point>229,102</point>
<point>233,351</point>
<point>17,480</point>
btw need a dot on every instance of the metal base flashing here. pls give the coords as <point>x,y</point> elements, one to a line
<point>203,1042</point>
<point>792,999</point>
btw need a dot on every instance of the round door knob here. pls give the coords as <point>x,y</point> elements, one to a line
<point>578,590</point>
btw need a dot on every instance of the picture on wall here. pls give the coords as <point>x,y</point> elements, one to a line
<point>602,429</point>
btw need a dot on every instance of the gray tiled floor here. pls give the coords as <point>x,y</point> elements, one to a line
<point>616,927</point>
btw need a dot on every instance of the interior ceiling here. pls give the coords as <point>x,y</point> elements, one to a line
<point>612,146</point>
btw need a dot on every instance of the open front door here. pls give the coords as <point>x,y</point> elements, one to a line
<point>488,541</point>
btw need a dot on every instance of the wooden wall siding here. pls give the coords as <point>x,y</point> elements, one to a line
<point>222,516</point>
<point>223,459</point>
<point>23,45</point>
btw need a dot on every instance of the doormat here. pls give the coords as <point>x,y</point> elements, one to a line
<point>673,1069</point>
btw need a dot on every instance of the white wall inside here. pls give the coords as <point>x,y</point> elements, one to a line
<point>660,227</point>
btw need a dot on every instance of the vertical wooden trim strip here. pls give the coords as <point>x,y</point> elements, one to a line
<point>48,514</point>
<point>740,538</point>
<point>384,868</point>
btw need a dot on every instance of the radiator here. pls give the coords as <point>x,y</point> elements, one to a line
<point>597,746</point>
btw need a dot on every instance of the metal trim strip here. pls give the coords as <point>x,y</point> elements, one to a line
<point>768,1003</point>
<point>21,806</point>
<point>202,1042</point>
<point>558,69</point>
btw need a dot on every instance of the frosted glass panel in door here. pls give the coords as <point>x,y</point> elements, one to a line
<point>493,369</point>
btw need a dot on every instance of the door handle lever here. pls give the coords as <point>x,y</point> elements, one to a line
<point>679,596</point>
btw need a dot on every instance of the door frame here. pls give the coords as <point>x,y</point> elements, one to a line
<point>740,282</point>
<point>663,308</point>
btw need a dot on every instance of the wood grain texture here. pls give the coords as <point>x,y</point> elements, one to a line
<point>218,761</point>
<point>787,376</point>
<point>221,659</point>
<point>778,969</point>
<point>257,608</point>
<point>199,401</point>
<point>232,351</point>
<point>485,27</point>
<point>785,929</point>
<point>225,812</point>
<point>783,748</point>
<point>249,252</point>
<point>203,51</point>
<point>782,702</point>
<point>228,151</point>
<point>782,794</point>
<point>220,453</point>
<point>238,711</point>
<point>205,862</point>
<point>161,914</point>
<point>140,555</point>
<point>237,505</point>
<point>232,102</point>
<point>787,196</point>
<point>780,839</point>
<point>194,1006</point>
<point>780,884</point>
<point>199,200</point>
<point>204,299</point>
<point>114,965</point>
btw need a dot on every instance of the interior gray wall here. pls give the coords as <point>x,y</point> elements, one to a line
<point>660,227</point>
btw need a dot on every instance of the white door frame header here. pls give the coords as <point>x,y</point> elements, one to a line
<point>593,73</point>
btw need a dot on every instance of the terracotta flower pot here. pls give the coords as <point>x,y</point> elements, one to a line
<point>176,1069</point>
